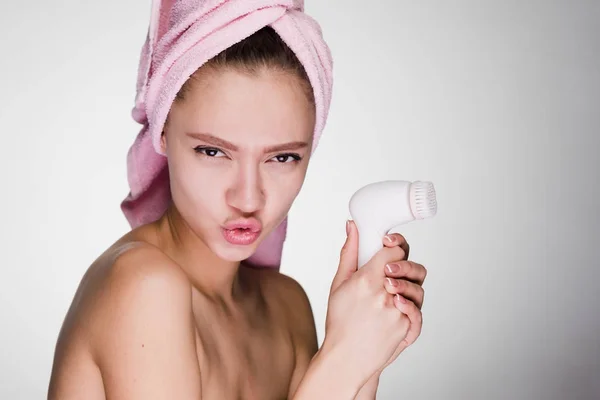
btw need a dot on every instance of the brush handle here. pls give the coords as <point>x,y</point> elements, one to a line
<point>369,243</point>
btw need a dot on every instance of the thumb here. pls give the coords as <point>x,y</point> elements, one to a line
<point>348,256</point>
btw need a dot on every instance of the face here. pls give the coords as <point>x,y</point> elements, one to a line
<point>238,148</point>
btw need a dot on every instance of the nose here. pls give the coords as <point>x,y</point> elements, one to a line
<point>247,193</point>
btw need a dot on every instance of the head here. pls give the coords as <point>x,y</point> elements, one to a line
<point>238,139</point>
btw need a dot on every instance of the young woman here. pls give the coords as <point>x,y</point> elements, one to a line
<point>172,311</point>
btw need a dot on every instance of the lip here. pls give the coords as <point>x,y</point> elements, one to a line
<point>251,224</point>
<point>242,232</point>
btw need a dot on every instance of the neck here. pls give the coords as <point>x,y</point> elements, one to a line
<point>216,278</point>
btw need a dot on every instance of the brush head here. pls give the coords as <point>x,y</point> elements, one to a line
<point>423,201</point>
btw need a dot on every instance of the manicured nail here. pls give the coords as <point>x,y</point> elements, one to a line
<point>392,268</point>
<point>347,227</point>
<point>389,239</point>
<point>401,299</point>
<point>392,282</point>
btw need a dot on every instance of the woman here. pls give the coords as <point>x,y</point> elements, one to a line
<point>175,310</point>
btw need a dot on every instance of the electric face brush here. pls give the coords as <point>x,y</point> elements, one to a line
<point>379,207</point>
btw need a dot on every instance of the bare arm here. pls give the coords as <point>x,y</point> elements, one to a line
<point>369,390</point>
<point>329,376</point>
<point>145,342</point>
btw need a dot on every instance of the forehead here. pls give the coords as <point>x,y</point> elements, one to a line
<point>259,109</point>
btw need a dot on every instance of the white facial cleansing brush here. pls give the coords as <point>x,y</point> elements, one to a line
<point>379,207</point>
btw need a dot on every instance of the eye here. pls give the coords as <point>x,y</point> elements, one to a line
<point>208,151</point>
<point>286,158</point>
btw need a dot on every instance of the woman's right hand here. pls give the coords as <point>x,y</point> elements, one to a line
<point>364,321</point>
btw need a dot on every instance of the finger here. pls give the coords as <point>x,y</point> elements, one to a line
<point>396,239</point>
<point>375,269</point>
<point>409,290</point>
<point>348,256</point>
<point>393,242</point>
<point>408,270</point>
<point>415,317</point>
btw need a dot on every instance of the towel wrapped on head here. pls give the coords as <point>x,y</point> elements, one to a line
<point>182,36</point>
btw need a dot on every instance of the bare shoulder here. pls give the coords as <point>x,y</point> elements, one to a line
<point>135,305</point>
<point>139,270</point>
<point>145,337</point>
<point>127,278</point>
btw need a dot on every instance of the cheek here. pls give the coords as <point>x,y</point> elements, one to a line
<point>196,189</point>
<point>282,187</point>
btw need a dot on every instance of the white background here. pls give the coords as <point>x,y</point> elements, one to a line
<point>497,103</point>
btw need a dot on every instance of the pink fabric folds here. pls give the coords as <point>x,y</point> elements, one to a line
<point>182,36</point>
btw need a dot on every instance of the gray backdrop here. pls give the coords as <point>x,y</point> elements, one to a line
<point>497,103</point>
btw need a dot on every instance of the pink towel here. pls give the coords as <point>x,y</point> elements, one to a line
<point>182,36</point>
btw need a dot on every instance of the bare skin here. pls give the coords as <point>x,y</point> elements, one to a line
<point>254,347</point>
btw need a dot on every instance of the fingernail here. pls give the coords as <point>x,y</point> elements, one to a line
<point>347,228</point>
<point>392,282</point>
<point>401,299</point>
<point>389,239</point>
<point>392,268</point>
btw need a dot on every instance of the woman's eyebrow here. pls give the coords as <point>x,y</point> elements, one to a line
<point>286,147</point>
<point>216,141</point>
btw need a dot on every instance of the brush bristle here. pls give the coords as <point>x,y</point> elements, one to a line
<point>423,200</point>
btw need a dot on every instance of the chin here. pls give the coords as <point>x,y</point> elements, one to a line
<point>233,254</point>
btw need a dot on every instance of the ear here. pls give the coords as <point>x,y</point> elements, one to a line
<point>163,142</point>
